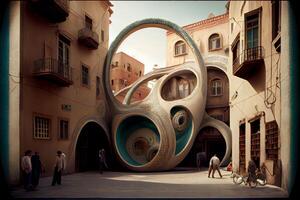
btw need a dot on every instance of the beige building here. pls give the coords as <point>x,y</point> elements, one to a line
<point>211,37</point>
<point>125,70</point>
<point>249,45</point>
<point>259,107</point>
<point>58,98</point>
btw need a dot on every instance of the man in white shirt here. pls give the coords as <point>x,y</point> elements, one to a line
<point>58,167</point>
<point>27,169</point>
<point>214,165</point>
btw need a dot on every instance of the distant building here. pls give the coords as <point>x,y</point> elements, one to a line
<point>211,37</point>
<point>125,70</point>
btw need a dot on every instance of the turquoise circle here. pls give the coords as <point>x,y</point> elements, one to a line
<point>182,137</point>
<point>125,129</point>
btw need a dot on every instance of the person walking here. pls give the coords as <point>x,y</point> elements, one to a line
<point>36,169</point>
<point>102,160</point>
<point>214,164</point>
<point>58,167</point>
<point>64,161</point>
<point>26,166</point>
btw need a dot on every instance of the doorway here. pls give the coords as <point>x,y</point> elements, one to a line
<point>91,139</point>
<point>209,141</point>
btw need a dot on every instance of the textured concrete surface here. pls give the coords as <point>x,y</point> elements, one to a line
<point>171,184</point>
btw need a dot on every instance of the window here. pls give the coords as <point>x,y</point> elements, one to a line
<point>140,74</point>
<point>97,86</point>
<point>183,87</point>
<point>216,87</point>
<point>180,48</point>
<point>63,129</point>
<point>128,67</point>
<point>63,51</point>
<point>252,30</point>
<point>214,42</point>
<point>236,50</point>
<point>102,35</point>
<point>242,144</point>
<point>276,12</point>
<point>272,140</point>
<point>88,23</point>
<point>255,140</point>
<point>85,75</point>
<point>41,127</point>
<point>112,82</point>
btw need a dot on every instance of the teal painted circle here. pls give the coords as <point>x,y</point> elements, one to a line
<point>125,129</point>
<point>182,137</point>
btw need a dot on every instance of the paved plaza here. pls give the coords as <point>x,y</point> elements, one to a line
<point>171,184</point>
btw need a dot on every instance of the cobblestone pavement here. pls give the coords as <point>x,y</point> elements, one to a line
<point>171,184</point>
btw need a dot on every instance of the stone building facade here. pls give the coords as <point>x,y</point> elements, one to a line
<point>57,51</point>
<point>259,107</point>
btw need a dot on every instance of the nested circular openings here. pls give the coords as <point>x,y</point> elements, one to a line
<point>179,86</point>
<point>137,140</point>
<point>182,124</point>
<point>180,120</point>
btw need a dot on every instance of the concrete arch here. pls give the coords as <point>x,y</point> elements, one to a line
<point>218,61</point>
<point>77,130</point>
<point>225,132</point>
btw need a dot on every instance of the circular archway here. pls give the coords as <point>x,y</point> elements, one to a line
<point>91,139</point>
<point>208,142</point>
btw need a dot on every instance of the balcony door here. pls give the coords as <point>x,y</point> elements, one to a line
<point>63,56</point>
<point>252,29</point>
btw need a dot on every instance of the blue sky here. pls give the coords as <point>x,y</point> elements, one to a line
<point>149,45</point>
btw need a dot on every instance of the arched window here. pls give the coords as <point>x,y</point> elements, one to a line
<point>214,42</point>
<point>216,87</point>
<point>180,48</point>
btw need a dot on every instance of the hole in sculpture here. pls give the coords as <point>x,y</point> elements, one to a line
<point>179,87</point>
<point>137,140</point>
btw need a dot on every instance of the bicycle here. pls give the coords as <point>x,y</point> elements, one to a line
<point>260,178</point>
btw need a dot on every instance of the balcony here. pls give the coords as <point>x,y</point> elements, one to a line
<point>54,71</point>
<point>248,62</point>
<point>54,10</point>
<point>88,38</point>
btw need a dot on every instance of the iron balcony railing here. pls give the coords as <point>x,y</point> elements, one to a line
<point>89,38</point>
<point>46,66</point>
<point>250,55</point>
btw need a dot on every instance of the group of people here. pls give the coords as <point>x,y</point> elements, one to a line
<point>32,168</point>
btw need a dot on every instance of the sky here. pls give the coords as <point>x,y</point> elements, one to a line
<point>149,45</point>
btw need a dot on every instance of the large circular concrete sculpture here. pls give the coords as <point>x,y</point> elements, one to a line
<point>158,132</point>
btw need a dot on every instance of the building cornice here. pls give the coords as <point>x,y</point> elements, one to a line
<point>213,21</point>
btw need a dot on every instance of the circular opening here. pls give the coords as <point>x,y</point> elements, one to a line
<point>182,124</point>
<point>136,136</point>
<point>179,87</point>
<point>140,146</point>
<point>181,120</point>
